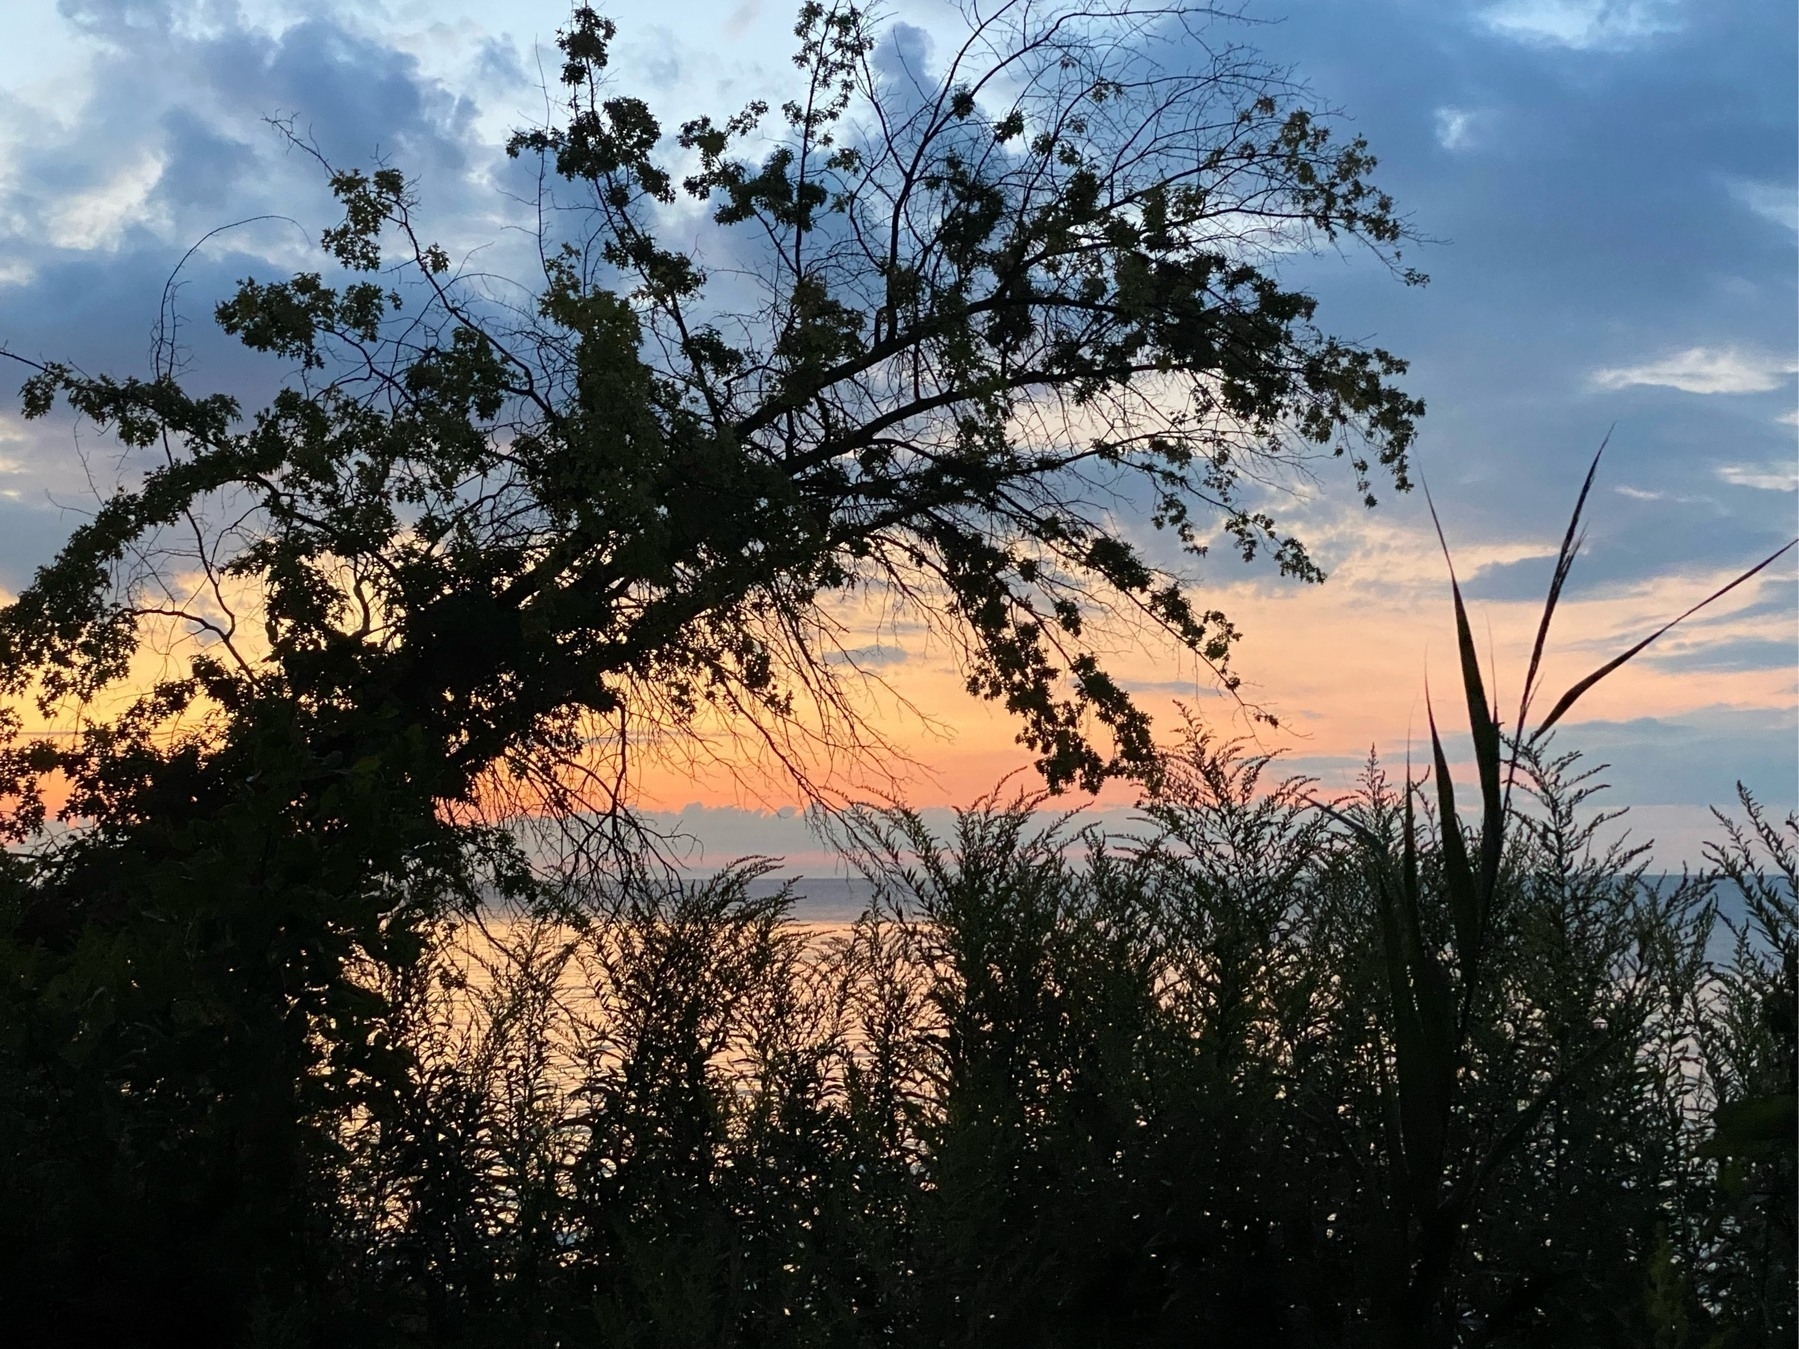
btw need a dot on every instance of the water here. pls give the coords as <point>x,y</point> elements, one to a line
<point>826,901</point>
<point>820,899</point>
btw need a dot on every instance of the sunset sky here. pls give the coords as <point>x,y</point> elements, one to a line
<point>1608,188</point>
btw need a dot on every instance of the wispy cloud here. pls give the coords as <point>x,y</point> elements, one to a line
<point>100,216</point>
<point>1703,370</point>
<point>1582,24</point>
<point>738,22</point>
<point>1778,202</point>
<point>870,657</point>
<point>1763,477</point>
<point>1457,128</point>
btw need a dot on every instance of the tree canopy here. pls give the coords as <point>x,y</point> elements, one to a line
<point>978,331</point>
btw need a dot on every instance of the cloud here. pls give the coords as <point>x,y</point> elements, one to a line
<point>1703,370</point>
<point>164,139</point>
<point>1189,689</point>
<point>1582,24</point>
<point>1687,541</point>
<point>1738,653</point>
<point>741,19</point>
<point>1457,128</point>
<point>30,533</point>
<point>904,53</point>
<point>1695,759</point>
<point>203,166</point>
<point>1778,202</point>
<point>1762,477</point>
<point>870,657</point>
<point>100,216</point>
<point>1655,494</point>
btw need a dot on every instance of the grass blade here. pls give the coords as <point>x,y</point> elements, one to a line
<point>1410,860</point>
<point>1572,540</point>
<point>1483,722</point>
<point>1568,699</point>
<point>1458,875</point>
<point>1564,564</point>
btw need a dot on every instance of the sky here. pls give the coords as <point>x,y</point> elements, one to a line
<point>1608,192</point>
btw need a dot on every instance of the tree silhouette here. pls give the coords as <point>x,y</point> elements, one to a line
<point>981,311</point>
<point>301,660</point>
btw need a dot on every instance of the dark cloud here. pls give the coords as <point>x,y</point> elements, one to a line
<point>1336,769</point>
<point>185,93</point>
<point>499,64</point>
<point>1645,544</point>
<point>204,166</point>
<point>1525,579</point>
<point>30,533</point>
<point>350,90</point>
<point>171,144</point>
<point>871,657</point>
<point>350,95</point>
<point>904,54</point>
<point>101,313</point>
<point>1739,653</point>
<point>1588,221</point>
<point>1782,602</point>
<point>1696,759</point>
<point>1178,688</point>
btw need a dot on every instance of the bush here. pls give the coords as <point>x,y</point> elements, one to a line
<point>1064,1089</point>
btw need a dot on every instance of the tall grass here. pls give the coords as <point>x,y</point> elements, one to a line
<point>1268,1070</point>
<point>1067,1089</point>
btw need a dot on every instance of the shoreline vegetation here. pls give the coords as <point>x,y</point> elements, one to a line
<point>1147,1079</point>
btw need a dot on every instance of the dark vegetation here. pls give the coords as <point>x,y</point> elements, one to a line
<point>341,1001</point>
<point>1141,1091</point>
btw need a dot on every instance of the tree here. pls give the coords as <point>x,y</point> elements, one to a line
<point>979,313</point>
<point>465,538</point>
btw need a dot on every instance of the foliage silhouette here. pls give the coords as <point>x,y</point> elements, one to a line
<point>1076,1090</point>
<point>304,1039</point>
<point>311,666</point>
<point>978,314</point>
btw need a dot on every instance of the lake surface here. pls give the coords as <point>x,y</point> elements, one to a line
<point>833,900</point>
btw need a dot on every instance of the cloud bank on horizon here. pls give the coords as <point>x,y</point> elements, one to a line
<point>1610,185</point>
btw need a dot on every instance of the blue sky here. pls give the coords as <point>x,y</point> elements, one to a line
<point>1610,185</point>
